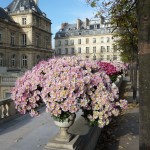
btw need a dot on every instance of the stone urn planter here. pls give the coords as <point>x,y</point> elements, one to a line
<point>63,134</point>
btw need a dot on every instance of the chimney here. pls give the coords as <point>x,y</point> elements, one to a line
<point>63,25</point>
<point>36,2</point>
<point>78,23</point>
<point>86,22</point>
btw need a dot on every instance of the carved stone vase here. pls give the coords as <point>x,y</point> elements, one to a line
<point>63,134</point>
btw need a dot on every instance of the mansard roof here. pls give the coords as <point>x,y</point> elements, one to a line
<point>4,15</point>
<point>21,5</point>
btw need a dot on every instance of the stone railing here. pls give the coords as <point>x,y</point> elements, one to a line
<point>7,80</point>
<point>119,81</point>
<point>7,110</point>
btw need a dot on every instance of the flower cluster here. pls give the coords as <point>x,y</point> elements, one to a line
<point>66,85</point>
<point>108,67</point>
<point>110,70</point>
<point>27,91</point>
<point>120,67</point>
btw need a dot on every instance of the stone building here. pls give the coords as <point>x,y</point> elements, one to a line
<point>25,39</point>
<point>25,35</point>
<point>89,39</point>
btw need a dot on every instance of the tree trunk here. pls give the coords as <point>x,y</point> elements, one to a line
<point>134,84</point>
<point>143,9</point>
<point>131,73</point>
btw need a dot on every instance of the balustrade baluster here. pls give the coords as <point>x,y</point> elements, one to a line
<point>5,110</point>
<point>11,108</point>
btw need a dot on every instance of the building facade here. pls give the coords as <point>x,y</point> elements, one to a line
<point>25,39</point>
<point>88,39</point>
<point>25,35</point>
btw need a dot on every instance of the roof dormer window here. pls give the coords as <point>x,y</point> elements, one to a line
<point>22,7</point>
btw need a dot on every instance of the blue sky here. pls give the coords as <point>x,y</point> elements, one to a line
<point>60,11</point>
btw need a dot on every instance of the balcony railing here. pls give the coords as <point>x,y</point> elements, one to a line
<point>7,80</point>
<point>7,110</point>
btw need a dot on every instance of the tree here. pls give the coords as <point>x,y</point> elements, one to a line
<point>143,18</point>
<point>143,11</point>
<point>122,17</point>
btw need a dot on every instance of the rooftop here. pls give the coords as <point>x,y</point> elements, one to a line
<point>4,15</point>
<point>21,5</point>
<point>89,27</point>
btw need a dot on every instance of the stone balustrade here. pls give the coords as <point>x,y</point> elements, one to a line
<point>7,110</point>
<point>119,81</point>
<point>7,80</point>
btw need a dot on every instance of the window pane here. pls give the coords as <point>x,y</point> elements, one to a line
<point>24,39</point>
<point>94,40</point>
<point>108,48</point>
<point>66,49</point>
<point>87,40</point>
<point>94,49</point>
<point>79,49</point>
<point>66,42</point>
<point>87,50</point>
<point>79,41</point>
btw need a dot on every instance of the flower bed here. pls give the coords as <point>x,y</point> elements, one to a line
<point>67,85</point>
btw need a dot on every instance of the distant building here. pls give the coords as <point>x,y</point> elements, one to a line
<point>25,35</point>
<point>89,39</point>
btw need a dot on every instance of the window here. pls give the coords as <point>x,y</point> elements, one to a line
<point>102,49</point>
<point>12,39</point>
<point>46,42</point>
<point>59,43</point>
<point>37,21</point>
<point>95,26</point>
<point>79,41</point>
<point>37,42</point>
<point>24,21</point>
<point>102,40</point>
<point>108,39</point>
<point>94,57</point>
<point>24,61</point>
<point>38,58</point>
<point>59,51</point>
<point>7,95</point>
<point>72,50</point>
<point>108,48</point>
<point>108,57</point>
<point>72,42</point>
<point>66,50</point>
<point>115,48</point>
<point>102,57</point>
<point>79,49</point>
<point>94,40</point>
<point>1,59</point>
<point>87,50</point>
<point>87,40</point>
<point>114,57</point>
<point>13,60</point>
<point>66,42</point>
<point>24,39</point>
<point>94,49</point>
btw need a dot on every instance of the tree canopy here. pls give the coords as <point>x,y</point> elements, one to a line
<point>121,14</point>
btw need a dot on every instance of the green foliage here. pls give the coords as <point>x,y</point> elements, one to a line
<point>62,117</point>
<point>122,17</point>
<point>113,78</point>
